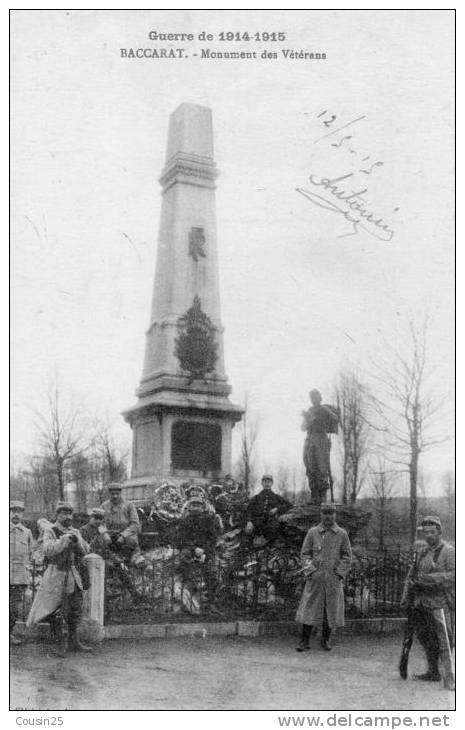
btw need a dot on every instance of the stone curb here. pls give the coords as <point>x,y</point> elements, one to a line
<point>249,629</point>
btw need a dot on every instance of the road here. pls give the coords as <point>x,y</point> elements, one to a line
<point>218,673</point>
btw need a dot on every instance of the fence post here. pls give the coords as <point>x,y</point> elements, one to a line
<point>94,599</point>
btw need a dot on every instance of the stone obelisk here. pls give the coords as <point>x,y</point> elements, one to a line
<point>183,419</point>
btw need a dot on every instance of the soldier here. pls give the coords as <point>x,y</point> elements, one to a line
<point>230,504</point>
<point>264,509</point>
<point>433,588</point>
<point>20,557</point>
<point>95,532</point>
<point>198,529</point>
<point>60,593</point>
<point>326,556</point>
<point>123,524</point>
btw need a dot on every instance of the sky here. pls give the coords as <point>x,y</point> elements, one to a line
<point>300,297</point>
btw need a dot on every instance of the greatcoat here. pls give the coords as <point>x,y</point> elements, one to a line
<point>326,554</point>
<point>61,576</point>
<point>20,554</point>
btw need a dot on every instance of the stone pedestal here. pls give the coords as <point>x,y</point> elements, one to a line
<point>183,418</point>
<point>91,627</point>
<point>351,517</point>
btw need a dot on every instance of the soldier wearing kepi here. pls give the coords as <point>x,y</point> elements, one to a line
<point>60,593</point>
<point>264,510</point>
<point>95,532</point>
<point>20,557</point>
<point>123,523</point>
<point>434,603</point>
<point>326,556</point>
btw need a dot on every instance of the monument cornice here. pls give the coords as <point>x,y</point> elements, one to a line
<point>145,410</point>
<point>172,320</point>
<point>190,169</point>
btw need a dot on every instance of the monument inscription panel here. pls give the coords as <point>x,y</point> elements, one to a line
<point>196,446</point>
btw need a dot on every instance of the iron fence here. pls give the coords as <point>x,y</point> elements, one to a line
<point>261,584</point>
<point>244,584</point>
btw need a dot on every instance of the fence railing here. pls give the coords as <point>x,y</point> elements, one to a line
<point>250,584</point>
<point>245,584</point>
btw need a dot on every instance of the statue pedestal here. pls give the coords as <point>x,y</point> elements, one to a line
<point>351,517</point>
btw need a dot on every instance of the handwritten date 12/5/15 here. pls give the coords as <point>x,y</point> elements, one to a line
<point>328,120</point>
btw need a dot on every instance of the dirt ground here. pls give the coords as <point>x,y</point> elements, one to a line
<point>217,673</point>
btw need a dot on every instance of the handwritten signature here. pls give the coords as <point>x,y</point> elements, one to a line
<point>355,212</point>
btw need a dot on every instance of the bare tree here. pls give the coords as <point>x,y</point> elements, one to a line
<point>286,482</point>
<point>405,408</point>
<point>42,486</point>
<point>61,439</point>
<point>19,482</point>
<point>423,483</point>
<point>81,475</point>
<point>111,457</point>
<point>352,402</point>
<point>249,434</point>
<point>382,482</point>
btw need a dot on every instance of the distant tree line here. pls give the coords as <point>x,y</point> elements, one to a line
<point>75,456</point>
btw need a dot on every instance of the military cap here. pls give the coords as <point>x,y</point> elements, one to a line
<point>195,501</point>
<point>267,476</point>
<point>328,507</point>
<point>196,498</point>
<point>17,504</point>
<point>64,507</point>
<point>431,520</point>
<point>97,512</point>
<point>114,487</point>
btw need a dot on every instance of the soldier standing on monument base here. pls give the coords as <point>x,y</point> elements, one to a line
<point>319,421</point>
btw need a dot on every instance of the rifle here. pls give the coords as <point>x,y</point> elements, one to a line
<point>444,648</point>
<point>407,601</point>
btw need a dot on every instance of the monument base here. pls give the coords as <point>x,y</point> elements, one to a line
<point>179,437</point>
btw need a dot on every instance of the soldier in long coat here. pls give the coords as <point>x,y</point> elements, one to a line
<point>326,556</point>
<point>60,593</point>
<point>20,557</point>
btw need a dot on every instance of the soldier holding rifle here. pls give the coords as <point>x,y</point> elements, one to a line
<point>60,594</point>
<point>430,593</point>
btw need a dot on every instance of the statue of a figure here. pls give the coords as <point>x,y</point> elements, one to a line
<point>319,421</point>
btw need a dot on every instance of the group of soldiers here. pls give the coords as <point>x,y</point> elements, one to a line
<point>114,526</point>
<point>113,533</point>
<point>429,595</point>
<point>326,557</point>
